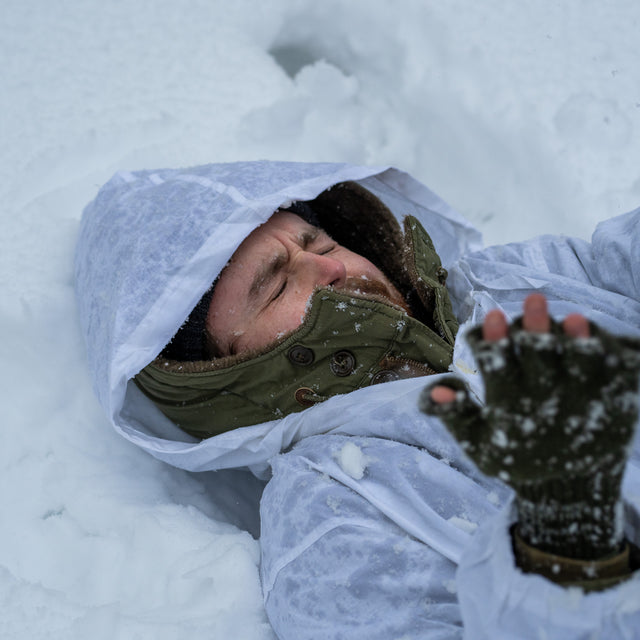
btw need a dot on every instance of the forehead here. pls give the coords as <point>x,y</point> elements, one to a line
<point>280,227</point>
<point>261,247</point>
<point>280,222</point>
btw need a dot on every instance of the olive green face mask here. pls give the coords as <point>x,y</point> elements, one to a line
<point>346,342</point>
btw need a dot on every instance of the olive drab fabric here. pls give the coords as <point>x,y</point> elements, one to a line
<point>345,342</point>
<point>428,277</point>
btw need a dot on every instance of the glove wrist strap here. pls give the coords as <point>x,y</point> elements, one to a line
<point>590,575</point>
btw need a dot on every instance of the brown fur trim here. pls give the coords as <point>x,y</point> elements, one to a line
<point>361,222</point>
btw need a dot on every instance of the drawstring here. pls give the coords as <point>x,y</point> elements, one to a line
<point>308,397</point>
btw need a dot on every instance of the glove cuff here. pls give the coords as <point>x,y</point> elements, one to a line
<point>590,575</point>
<point>573,516</point>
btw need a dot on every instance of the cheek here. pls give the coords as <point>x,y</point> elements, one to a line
<point>224,320</point>
<point>290,315</point>
<point>221,319</point>
<point>275,323</point>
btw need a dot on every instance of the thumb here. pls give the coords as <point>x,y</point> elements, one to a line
<point>461,415</point>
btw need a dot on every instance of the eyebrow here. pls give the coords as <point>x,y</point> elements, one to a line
<point>268,269</point>
<point>266,273</point>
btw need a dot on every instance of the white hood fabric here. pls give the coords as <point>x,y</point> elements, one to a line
<point>150,245</point>
<point>374,525</point>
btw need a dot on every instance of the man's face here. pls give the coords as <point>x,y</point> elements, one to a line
<point>263,291</point>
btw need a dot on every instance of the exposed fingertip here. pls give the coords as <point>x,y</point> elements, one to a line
<point>536,315</point>
<point>495,326</point>
<point>576,325</point>
<point>442,395</point>
<point>536,299</point>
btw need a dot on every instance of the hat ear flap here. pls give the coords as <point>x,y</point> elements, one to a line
<point>304,211</point>
<point>188,344</point>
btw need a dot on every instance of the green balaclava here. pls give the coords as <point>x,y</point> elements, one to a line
<point>345,342</point>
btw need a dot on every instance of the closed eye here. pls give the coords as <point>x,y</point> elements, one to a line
<point>318,241</point>
<point>280,291</point>
<point>327,250</point>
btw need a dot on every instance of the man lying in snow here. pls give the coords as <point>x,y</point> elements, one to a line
<point>375,524</point>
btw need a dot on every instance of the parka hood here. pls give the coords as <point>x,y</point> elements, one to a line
<point>152,242</point>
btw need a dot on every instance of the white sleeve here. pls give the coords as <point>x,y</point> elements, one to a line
<point>600,278</point>
<point>616,255</point>
<point>371,539</point>
<point>500,602</point>
<point>334,566</point>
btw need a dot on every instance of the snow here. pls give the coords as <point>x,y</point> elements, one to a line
<point>463,524</point>
<point>352,460</point>
<point>523,116</point>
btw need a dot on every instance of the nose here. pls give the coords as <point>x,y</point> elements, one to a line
<point>321,270</point>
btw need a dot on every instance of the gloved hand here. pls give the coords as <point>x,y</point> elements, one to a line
<point>559,417</point>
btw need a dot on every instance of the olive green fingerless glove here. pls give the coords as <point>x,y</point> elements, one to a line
<point>557,425</point>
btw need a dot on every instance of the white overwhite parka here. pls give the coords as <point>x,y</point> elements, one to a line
<point>374,524</point>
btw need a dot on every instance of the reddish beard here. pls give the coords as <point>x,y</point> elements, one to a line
<point>377,288</point>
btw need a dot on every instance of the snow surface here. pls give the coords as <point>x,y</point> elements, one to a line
<point>525,116</point>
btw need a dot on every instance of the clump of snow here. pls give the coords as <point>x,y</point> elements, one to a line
<point>334,503</point>
<point>450,586</point>
<point>463,524</point>
<point>492,359</point>
<point>533,111</point>
<point>527,425</point>
<point>499,438</point>
<point>352,460</point>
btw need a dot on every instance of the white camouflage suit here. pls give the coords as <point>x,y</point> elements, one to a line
<point>374,525</point>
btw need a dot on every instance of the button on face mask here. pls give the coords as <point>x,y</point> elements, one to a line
<point>342,363</point>
<point>302,356</point>
<point>386,375</point>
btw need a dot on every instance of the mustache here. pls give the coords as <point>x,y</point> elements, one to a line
<point>374,287</point>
